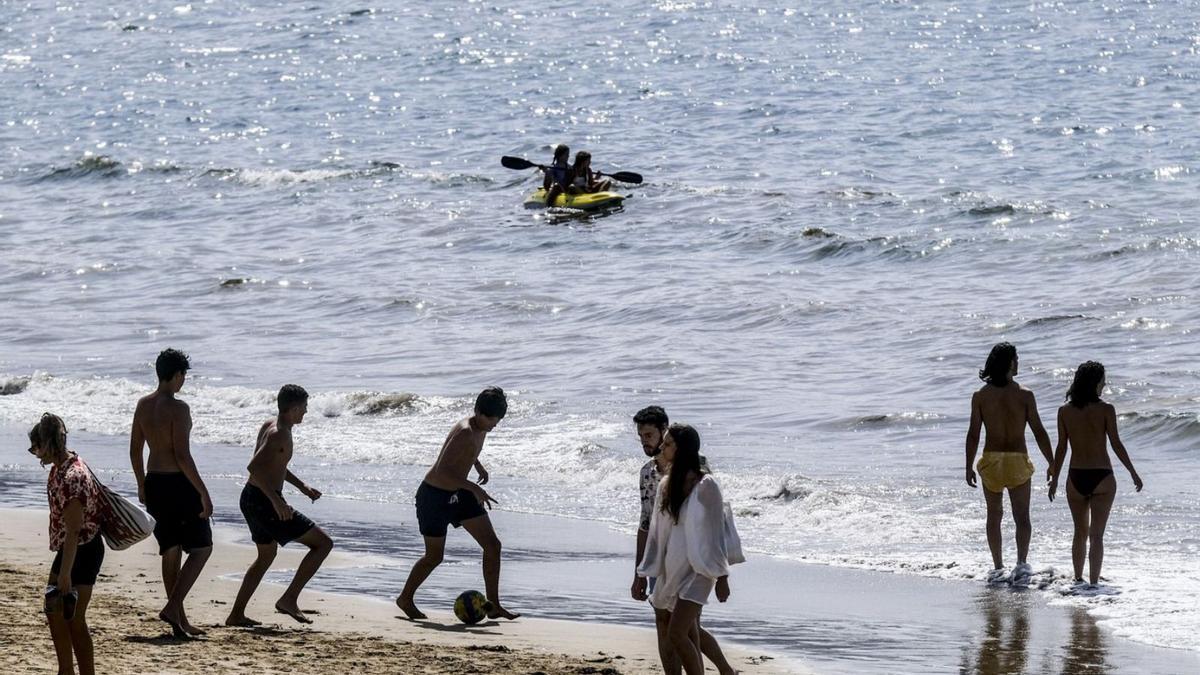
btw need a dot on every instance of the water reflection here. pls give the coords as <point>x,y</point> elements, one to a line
<point>1085,652</point>
<point>1003,645</point>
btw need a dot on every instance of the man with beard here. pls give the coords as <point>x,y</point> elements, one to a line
<point>652,423</point>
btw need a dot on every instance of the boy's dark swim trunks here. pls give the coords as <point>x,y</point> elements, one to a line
<point>265,525</point>
<point>176,508</point>
<point>437,509</point>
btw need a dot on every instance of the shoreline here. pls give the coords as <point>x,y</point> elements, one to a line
<point>574,574</point>
<point>129,594</point>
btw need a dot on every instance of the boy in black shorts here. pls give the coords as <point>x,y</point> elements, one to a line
<point>171,487</point>
<point>447,497</point>
<point>272,522</point>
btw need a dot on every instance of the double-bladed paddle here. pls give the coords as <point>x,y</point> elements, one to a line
<point>521,164</point>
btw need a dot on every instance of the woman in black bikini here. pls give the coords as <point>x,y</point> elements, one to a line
<point>1086,421</point>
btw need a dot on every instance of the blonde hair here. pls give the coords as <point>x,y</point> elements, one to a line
<point>50,432</point>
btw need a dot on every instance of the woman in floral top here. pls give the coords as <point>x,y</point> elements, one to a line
<point>75,519</point>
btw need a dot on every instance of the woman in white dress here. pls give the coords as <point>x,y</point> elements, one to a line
<point>685,551</point>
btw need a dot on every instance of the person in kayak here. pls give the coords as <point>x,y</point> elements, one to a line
<point>583,179</point>
<point>558,174</point>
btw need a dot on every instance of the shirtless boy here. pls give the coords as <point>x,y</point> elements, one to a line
<point>171,487</point>
<point>651,423</point>
<point>447,497</point>
<point>273,523</point>
<point>1004,408</point>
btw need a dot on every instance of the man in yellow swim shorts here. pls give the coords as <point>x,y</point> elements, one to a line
<point>1004,408</point>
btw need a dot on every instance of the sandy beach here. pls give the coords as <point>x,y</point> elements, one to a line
<point>349,634</point>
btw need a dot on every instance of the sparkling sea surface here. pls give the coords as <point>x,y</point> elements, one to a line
<point>845,206</point>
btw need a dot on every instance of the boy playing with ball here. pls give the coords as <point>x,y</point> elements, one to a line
<point>448,497</point>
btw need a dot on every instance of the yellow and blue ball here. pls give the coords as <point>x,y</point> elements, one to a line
<point>471,607</point>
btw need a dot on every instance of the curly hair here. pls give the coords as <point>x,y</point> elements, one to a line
<point>1088,377</point>
<point>169,362</point>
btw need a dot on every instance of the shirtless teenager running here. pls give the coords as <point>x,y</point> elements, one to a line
<point>447,497</point>
<point>274,523</point>
<point>1004,407</point>
<point>171,487</point>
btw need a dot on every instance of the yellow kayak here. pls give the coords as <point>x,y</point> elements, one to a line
<point>584,202</point>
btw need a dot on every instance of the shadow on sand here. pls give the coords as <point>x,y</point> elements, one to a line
<point>453,628</point>
<point>164,640</point>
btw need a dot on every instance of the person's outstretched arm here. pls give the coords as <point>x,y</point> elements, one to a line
<point>1110,426</point>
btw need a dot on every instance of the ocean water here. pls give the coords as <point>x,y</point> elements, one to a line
<point>846,205</point>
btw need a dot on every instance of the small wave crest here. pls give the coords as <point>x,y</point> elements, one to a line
<point>10,386</point>
<point>101,166</point>
<point>820,243</point>
<point>906,420</point>
<point>977,204</point>
<point>363,403</point>
<point>273,177</point>
<point>1178,244</point>
<point>1056,319</point>
<point>105,167</point>
<point>881,247</point>
<point>253,177</point>
<point>859,194</point>
<point>1164,426</point>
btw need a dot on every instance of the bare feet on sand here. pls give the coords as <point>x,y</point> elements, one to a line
<point>180,626</point>
<point>409,608</point>
<point>176,627</point>
<point>241,621</point>
<point>291,609</point>
<point>498,612</point>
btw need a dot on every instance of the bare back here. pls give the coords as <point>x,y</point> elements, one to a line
<point>1087,432</point>
<point>1005,412</point>
<point>458,454</point>
<point>161,420</point>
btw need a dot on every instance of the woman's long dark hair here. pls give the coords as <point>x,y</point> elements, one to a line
<point>999,365</point>
<point>687,460</point>
<point>1088,377</point>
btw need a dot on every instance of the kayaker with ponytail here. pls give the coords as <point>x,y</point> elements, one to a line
<point>558,174</point>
